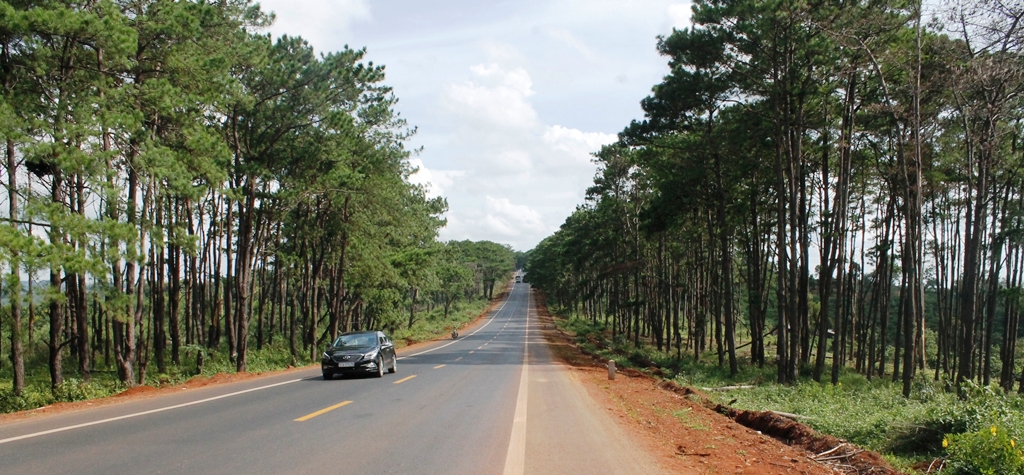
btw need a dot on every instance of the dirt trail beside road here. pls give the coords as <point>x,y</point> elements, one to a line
<point>683,432</point>
<point>673,427</point>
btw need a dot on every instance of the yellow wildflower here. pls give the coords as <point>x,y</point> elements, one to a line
<point>1013,443</point>
<point>993,429</point>
<point>945,442</point>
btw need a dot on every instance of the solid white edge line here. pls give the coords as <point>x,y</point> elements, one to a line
<point>515,458</point>
<point>214,398</point>
<point>496,312</point>
<point>143,413</point>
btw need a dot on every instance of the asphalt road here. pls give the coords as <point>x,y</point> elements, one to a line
<point>489,402</point>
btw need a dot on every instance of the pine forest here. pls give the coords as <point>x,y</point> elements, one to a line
<point>182,189</point>
<point>818,189</point>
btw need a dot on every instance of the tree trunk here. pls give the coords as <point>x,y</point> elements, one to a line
<point>17,351</point>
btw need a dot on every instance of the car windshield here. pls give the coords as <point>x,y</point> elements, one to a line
<point>352,341</point>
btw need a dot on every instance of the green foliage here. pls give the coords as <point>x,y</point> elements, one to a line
<point>270,358</point>
<point>185,141</point>
<point>33,397</point>
<point>434,324</point>
<point>989,451</point>
<point>981,408</point>
<point>489,262</point>
<point>75,390</point>
<point>71,390</point>
<point>873,414</point>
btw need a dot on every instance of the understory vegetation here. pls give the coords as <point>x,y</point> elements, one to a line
<point>934,426</point>
<point>822,192</point>
<point>199,360</point>
<point>185,193</point>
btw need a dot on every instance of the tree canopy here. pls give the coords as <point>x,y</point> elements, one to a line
<point>837,180</point>
<point>187,181</point>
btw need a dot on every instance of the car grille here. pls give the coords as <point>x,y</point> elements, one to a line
<point>340,358</point>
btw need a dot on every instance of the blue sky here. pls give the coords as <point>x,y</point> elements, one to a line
<point>509,97</point>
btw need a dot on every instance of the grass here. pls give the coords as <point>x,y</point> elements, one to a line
<point>872,414</point>
<point>685,416</point>
<point>104,382</point>
<point>430,325</point>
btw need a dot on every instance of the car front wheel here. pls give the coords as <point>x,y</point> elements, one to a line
<point>380,367</point>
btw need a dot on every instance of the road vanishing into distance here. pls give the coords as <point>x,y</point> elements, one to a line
<point>490,402</point>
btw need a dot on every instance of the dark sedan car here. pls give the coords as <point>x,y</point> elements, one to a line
<point>359,353</point>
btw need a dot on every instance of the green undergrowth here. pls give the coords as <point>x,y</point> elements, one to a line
<point>104,381</point>
<point>271,357</point>
<point>975,435</point>
<point>432,324</point>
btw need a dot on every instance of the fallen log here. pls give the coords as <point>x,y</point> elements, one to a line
<point>795,417</point>
<point>728,388</point>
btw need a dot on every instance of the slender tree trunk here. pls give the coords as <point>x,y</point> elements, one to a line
<point>81,307</point>
<point>56,309</point>
<point>14,294</point>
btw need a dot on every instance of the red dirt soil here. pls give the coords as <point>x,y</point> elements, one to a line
<point>146,392</point>
<point>678,426</point>
<point>687,433</point>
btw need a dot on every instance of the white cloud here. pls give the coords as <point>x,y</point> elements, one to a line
<point>572,41</point>
<point>577,143</point>
<point>503,53</point>
<point>499,97</point>
<point>511,220</point>
<point>514,160</point>
<point>522,177</point>
<point>509,98</point>
<point>680,15</point>
<point>446,178</point>
<point>497,105</point>
<point>517,78</point>
<point>433,181</point>
<point>496,226</point>
<point>326,24</point>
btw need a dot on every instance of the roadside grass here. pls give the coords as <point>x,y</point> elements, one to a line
<point>104,381</point>
<point>978,434</point>
<point>432,324</point>
<point>685,416</point>
<point>272,357</point>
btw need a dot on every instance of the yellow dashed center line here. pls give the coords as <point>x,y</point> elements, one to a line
<point>440,366</point>
<point>322,411</point>
<point>400,381</point>
<point>459,358</point>
<point>471,351</point>
<point>480,347</point>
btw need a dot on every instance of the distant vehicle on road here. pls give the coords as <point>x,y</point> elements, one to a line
<point>519,279</point>
<point>359,353</point>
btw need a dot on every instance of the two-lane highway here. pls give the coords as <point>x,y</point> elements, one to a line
<point>491,401</point>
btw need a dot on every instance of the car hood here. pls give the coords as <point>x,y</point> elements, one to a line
<point>358,351</point>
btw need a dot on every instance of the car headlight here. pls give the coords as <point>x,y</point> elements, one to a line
<point>325,356</point>
<point>371,355</point>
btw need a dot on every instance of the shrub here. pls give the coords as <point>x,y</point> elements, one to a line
<point>30,398</point>
<point>71,390</point>
<point>989,451</point>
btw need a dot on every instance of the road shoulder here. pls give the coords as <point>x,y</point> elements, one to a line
<point>679,434</point>
<point>144,392</point>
